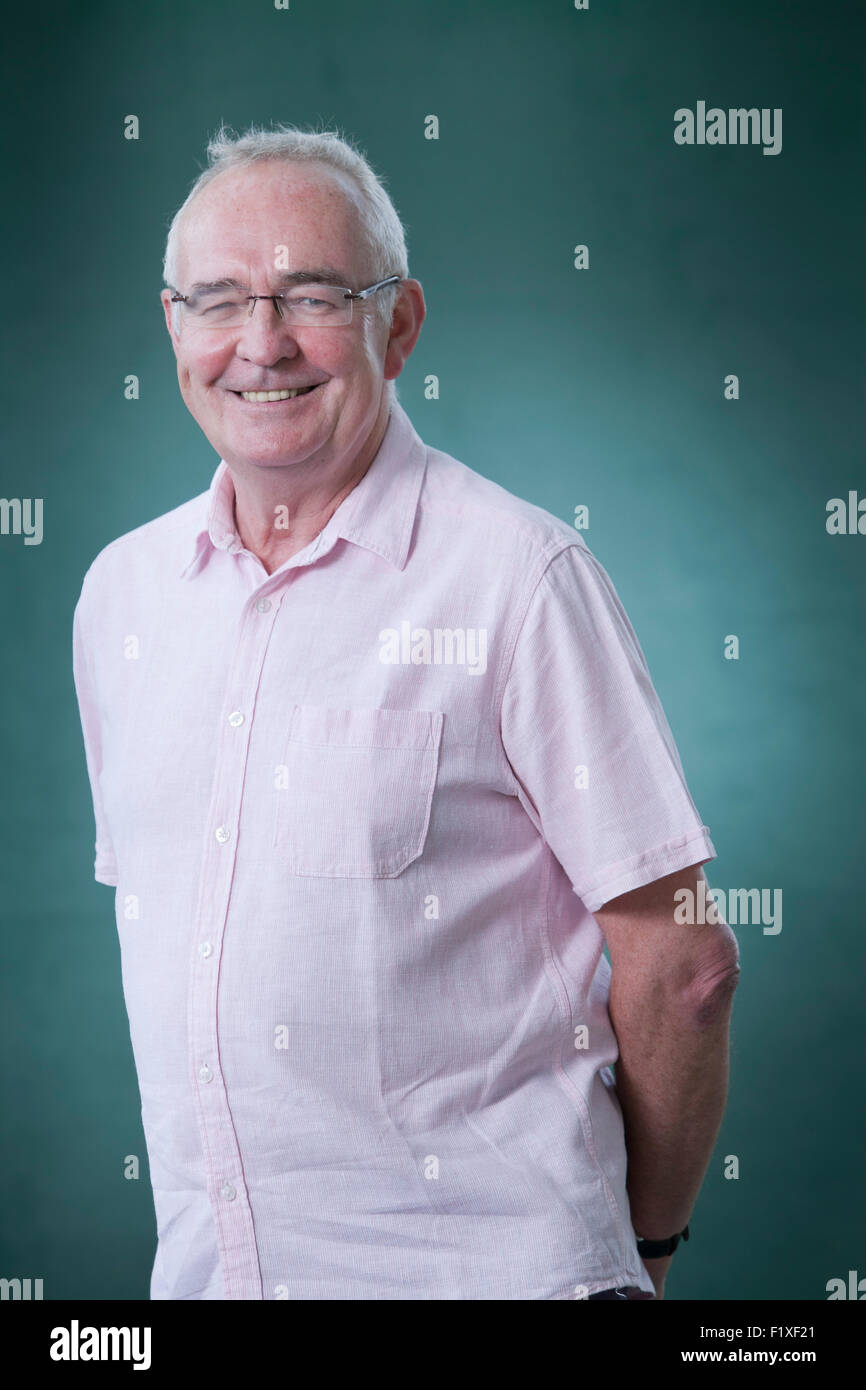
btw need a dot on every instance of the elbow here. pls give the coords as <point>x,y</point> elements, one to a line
<point>711,993</point>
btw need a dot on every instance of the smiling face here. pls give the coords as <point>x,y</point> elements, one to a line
<point>232,229</point>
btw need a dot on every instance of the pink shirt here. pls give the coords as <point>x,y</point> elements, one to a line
<point>356,861</point>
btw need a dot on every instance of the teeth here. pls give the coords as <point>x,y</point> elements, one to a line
<point>275,395</point>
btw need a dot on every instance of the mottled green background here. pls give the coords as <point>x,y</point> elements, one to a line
<point>601,387</point>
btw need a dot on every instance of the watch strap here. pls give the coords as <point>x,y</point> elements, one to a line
<point>657,1249</point>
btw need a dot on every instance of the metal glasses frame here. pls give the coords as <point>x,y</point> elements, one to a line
<point>177,298</point>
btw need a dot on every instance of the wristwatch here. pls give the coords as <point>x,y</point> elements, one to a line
<point>657,1249</point>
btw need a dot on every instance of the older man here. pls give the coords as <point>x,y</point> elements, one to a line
<point>377,769</point>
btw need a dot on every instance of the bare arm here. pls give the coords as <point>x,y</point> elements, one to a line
<point>671,993</point>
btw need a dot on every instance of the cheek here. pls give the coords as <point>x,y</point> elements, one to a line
<point>330,356</point>
<point>343,357</point>
<point>201,366</point>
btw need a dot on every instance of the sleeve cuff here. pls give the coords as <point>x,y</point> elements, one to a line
<point>105,871</point>
<point>693,847</point>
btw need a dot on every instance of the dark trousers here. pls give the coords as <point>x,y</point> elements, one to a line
<point>629,1291</point>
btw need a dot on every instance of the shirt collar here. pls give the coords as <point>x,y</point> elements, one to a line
<point>378,514</point>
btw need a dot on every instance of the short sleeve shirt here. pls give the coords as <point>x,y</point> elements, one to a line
<point>358,815</point>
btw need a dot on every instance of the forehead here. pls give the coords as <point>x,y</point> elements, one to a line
<point>240,219</point>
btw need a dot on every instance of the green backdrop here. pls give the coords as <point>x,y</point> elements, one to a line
<point>602,386</point>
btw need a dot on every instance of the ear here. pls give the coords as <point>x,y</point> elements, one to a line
<point>409,313</point>
<point>168,308</point>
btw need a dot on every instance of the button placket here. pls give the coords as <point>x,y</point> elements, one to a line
<point>229,1199</point>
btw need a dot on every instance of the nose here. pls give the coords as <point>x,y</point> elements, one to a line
<point>266,336</point>
<point>275,299</point>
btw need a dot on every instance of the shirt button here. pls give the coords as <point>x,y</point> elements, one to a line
<point>263,605</point>
<point>228,1192</point>
<point>205,1073</point>
<point>236,718</point>
<point>223,833</point>
<point>205,949</point>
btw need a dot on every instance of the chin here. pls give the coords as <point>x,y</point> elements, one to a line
<point>260,455</point>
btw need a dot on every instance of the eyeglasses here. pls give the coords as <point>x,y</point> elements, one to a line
<point>313,305</point>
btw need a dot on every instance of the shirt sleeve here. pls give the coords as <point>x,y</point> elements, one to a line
<point>587,739</point>
<point>105,866</point>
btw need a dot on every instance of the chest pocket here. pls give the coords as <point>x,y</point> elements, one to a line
<point>358,790</point>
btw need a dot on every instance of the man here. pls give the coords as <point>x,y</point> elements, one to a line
<point>377,769</point>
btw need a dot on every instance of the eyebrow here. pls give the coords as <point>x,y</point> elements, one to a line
<point>321,274</point>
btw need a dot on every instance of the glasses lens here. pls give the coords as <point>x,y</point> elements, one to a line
<point>316,304</point>
<point>323,305</point>
<point>217,308</point>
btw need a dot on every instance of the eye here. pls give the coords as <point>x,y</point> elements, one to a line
<point>320,300</point>
<point>222,307</point>
<point>308,301</point>
<point>217,306</point>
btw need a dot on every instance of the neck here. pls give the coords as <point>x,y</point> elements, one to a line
<point>278,511</point>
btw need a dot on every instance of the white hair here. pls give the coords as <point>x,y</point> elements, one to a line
<point>382,232</point>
